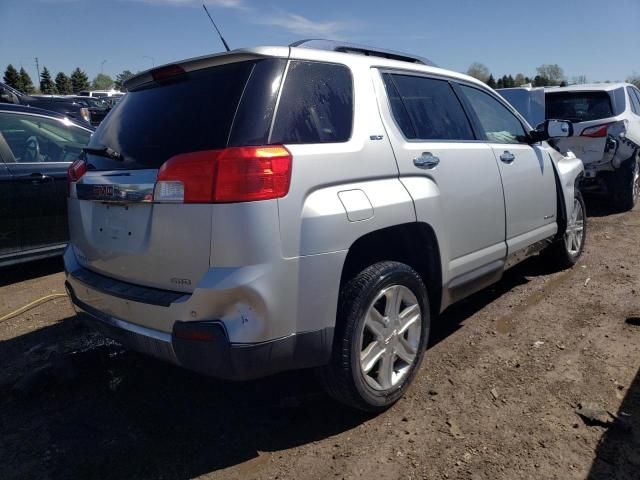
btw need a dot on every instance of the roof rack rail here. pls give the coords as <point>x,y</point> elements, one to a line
<point>334,46</point>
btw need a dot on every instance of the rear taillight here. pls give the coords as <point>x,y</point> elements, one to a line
<point>76,170</point>
<point>236,174</point>
<point>596,132</point>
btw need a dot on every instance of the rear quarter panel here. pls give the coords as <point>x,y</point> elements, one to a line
<point>313,219</point>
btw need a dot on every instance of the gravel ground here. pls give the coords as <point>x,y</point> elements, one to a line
<point>498,395</point>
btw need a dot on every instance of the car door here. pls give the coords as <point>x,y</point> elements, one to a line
<point>451,175</point>
<point>526,169</point>
<point>9,240</point>
<point>42,148</point>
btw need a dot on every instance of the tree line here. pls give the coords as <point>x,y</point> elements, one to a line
<point>62,84</point>
<point>546,76</point>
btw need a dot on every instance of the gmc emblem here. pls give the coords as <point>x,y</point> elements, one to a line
<point>103,190</point>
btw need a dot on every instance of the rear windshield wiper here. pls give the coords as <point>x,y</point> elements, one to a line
<point>104,152</point>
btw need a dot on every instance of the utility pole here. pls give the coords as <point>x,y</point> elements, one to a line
<point>38,69</point>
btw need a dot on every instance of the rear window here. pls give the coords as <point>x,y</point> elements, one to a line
<point>578,106</point>
<point>316,105</point>
<point>190,112</point>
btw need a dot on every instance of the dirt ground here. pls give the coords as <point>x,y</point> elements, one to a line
<point>497,396</point>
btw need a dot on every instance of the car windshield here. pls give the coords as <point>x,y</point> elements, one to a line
<point>578,106</point>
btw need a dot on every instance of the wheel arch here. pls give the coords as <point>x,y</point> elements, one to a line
<point>568,173</point>
<point>414,244</point>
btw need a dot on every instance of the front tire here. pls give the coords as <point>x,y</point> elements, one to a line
<point>565,252</point>
<point>381,335</point>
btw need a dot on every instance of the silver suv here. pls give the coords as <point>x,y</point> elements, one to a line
<point>315,205</point>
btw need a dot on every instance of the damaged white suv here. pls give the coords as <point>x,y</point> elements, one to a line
<point>606,123</point>
<point>315,205</point>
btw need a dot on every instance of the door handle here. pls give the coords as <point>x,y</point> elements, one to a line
<point>427,160</point>
<point>35,178</point>
<point>507,157</point>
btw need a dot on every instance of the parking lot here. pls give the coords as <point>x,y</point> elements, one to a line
<point>496,397</point>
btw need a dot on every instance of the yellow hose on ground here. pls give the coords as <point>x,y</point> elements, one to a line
<point>31,305</point>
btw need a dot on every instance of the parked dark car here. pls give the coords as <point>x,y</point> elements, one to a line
<point>36,149</point>
<point>69,108</point>
<point>98,107</point>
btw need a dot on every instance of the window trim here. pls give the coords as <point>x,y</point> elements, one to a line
<point>283,83</point>
<point>525,126</point>
<point>431,76</point>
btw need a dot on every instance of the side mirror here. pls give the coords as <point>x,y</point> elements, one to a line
<point>553,129</point>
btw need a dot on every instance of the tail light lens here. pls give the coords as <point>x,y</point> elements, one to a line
<point>75,171</point>
<point>596,132</point>
<point>236,174</point>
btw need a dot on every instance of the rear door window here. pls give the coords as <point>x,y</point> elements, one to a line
<point>316,104</point>
<point>499,123</point>
<point>578,106</point>
<point>426,108</point>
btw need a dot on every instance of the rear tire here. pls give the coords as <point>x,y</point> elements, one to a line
<point>380,338</point>
<point>565,252</point>
<point>626,184</point>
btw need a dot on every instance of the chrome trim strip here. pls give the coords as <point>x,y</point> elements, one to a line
<point>116,193</point>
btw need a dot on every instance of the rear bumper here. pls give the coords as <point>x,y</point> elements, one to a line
<point>202,346</point>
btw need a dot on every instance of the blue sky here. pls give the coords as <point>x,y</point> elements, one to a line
<point>595,38</point>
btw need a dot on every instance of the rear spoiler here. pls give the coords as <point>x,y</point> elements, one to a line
<point>206,61</point>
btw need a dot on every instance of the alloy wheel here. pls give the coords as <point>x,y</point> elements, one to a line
<point>574,235</point>
<point>390,337</point>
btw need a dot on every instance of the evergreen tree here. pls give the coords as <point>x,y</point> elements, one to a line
<point>505,82</point>
<point>11,76</point>
<point>63,84</point>
<point>121,78</point>
<point>540,81</point>
<point>25,85</point>
<point>491,82</point>
<point>47,86</point>
<point>511,81</point>
<point>500,83</point>
<point>79,80</point>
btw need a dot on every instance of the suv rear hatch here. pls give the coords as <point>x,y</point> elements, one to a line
<point>118,227</point>
<point>592,115</point>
